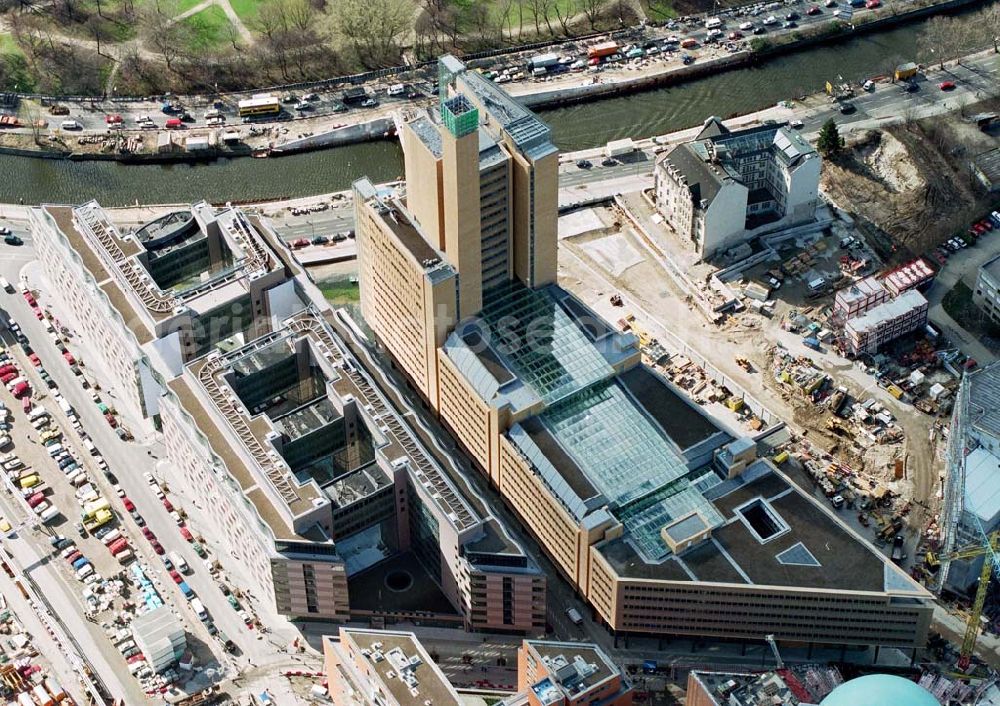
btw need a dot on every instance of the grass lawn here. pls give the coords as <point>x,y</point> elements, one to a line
<point>661,9</point>
<point>207,30</point>
<point>8,45</point>
<point>340,292</point>
<point>246,9</point>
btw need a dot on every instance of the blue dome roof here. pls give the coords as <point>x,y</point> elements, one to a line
<point>880,690</point>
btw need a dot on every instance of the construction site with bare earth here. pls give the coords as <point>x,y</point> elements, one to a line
<point>816,340</point>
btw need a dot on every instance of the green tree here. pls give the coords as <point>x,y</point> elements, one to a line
<point>830,142</point>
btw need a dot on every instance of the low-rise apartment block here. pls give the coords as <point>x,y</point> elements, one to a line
<point>656,514</point>
<point>567,674</point>
<point>885,322</point>
<point>383,668</point>
<point>727,186</point>
<point>390,668</point>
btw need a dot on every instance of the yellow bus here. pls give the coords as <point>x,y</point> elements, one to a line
<point>260,104</point>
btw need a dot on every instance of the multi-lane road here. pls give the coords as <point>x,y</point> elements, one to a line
<point>127,461</point>
<point>975,78</point>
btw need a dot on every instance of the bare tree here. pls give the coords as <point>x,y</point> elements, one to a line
<point>161,32</point>
<point>564,15</point>
<point>592,10</point>
<point>937,40</point>
<point>374,28</point>
<point>505,11</point>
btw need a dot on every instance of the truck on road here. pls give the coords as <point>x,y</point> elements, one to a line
<point>602,50</point>
<point>543,61</point>
<point>178,561</point>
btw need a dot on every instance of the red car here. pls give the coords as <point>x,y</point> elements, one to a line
<point>38,313</point>
<point>30,298</point>
<point>814,10</point>
<point>987,224</point>
<point>113,119</point>
<point>35,360</point>
<point>74,556</point>
<point>129,505</point>
<point>735,35</point>
<point>8,370</point>
<point>299,243</point>
<point>69,358</point>
<point>168,505</point>
<point>186,534</point>
<point>7,377</point>
<point>157,547</point>
<point>110,419</point>
<point>947,85</point>
<point>176,576</point>
<point>872,4</point>
<point>21,389</point>
<point>148,534</point>
<point>26,404</point>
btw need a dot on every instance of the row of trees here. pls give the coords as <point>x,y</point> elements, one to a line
<point>944,38</point>
<point>292,40</point>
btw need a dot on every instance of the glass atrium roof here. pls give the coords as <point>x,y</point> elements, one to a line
<point>540,343</point>
<point>622,453</point>
<point>644,518</point>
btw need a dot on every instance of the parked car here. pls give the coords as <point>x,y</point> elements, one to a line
<point>947,85</point>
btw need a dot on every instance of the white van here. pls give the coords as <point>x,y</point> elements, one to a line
<point>84,571</point>
<point>37,413</point>
<point>396,89</point>
<point>54,450</point>
<point>199,609</point>
<point>70,125</point>
<point>178,561</point>
<point>111,536</point>
<point>89,445</point>
<point>713,23</point>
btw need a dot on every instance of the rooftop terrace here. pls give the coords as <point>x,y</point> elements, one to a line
<point>403,668</point>
<point>578,667</point>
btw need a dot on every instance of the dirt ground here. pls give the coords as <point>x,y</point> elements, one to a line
<point>912,181</point>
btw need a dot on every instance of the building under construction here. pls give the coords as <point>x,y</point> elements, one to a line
<point>972,490</point>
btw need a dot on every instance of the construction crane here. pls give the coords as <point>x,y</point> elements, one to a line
<point>988,550</point>
<point>956,504</point>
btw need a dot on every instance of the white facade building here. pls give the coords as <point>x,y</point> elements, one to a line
<point>987,293</point>
<point>725,187</point>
